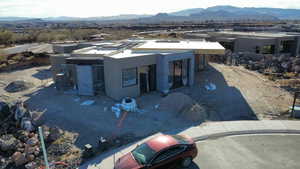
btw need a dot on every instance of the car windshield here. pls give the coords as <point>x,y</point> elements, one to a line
<point>143,154</point>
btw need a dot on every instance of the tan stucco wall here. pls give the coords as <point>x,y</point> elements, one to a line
<point>113,75</point>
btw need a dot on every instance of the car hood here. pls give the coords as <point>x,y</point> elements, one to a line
<point>126,162</point>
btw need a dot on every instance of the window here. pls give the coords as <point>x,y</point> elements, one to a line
<point>129,77</point>
<point>286,46</point>
<point>169,153</point>
<point>143,154</point>
<point>268,49</point>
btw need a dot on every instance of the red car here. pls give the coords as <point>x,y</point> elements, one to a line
<point>160,152</point>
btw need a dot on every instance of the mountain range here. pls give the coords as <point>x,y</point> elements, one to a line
<point>194,14</point>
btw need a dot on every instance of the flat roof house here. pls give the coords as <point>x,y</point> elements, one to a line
<point>140,67</point>
<point>276,43</point>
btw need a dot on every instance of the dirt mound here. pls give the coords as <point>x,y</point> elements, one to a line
<point>195,113</point>
<point>183,106</point>
<point>175,102</point>
<point>17,86</point>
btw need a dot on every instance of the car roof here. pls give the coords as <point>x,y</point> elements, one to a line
<point>161,142</point>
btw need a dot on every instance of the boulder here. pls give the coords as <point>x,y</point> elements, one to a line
<point>31,165</point>
<point>55,133</point>
<point>37,119</point>
<point>19,158</point>
<point>32,141</point>
<point>4,110</point>
<point>8,142</point>
<point>30,157</point>
<point>26,124</point>
<point>22,135</point>
<point>17,86</point>
<point>29,150</point>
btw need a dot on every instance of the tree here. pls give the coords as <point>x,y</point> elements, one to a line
<point>6,37</point>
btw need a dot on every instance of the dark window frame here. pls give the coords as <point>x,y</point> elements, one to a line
<point>123,77</point>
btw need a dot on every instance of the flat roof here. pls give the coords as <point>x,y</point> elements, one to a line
<point>99,51</point>
<point>259,34</point>
<point>179,45</point>
<point>94,50</point>
<point>129,53</point>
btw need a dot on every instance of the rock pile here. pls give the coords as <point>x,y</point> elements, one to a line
<point>20,145</point>
<point>264,63</point>
<point>17,86</point>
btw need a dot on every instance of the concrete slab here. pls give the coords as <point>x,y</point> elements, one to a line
<point>291,125</point>
<point>255,125</point>
<point>274,125</point>
<point>237,126</point>
<point>213,128</point>
<point>194,132</point>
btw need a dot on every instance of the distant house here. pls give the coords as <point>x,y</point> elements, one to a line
<point>276,43</point>
<point>131,68</point>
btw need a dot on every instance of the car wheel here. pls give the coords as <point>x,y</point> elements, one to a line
<point>186,162</point>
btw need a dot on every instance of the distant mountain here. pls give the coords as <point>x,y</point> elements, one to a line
<point>61,18</point>
<point>270,12</point>
<point>101,18</point>
<point>187,12</point>
<point>9,18</point>
<point>194,14</point>
<point>228,15</point>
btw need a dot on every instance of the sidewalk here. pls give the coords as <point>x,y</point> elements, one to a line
<point>204,131</point>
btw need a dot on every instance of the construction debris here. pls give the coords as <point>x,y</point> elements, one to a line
<point>129,104</point>
<point>87,103</point>
<point>210,87</point>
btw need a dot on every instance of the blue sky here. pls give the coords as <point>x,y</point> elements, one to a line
<point>90,8</point>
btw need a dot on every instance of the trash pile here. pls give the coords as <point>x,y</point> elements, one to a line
<point>17,86</point>
<point>20,145</point>
<point>128,104</point>
<point>183,106</point>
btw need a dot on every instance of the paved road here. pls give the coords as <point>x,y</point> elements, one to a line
<point>33,47</point>
<point>251,152</point>
<point>19,48</point>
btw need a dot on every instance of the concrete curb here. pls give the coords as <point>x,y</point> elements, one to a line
<point>245,132</point>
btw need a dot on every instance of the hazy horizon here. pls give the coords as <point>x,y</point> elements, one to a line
<point>96,8</point>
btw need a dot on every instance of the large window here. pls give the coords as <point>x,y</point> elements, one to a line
<point>129,77</point>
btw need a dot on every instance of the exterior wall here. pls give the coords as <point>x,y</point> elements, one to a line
<point>113,75</point>
<point>297,50</point>
<point>56,64</point>
<point>162,65</point>
<point>249,44</point>
<point>57,48</point>
<point>201,62</point>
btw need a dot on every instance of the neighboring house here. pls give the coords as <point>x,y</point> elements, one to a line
<point>276,43</point>
<point>131,68</point>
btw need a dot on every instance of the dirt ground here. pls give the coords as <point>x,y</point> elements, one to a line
<point>243,94</point>
<point>239,95</point>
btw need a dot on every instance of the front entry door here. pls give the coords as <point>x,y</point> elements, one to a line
<point>85,80</point>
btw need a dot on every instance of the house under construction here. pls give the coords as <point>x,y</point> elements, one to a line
<point>132,67</point>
